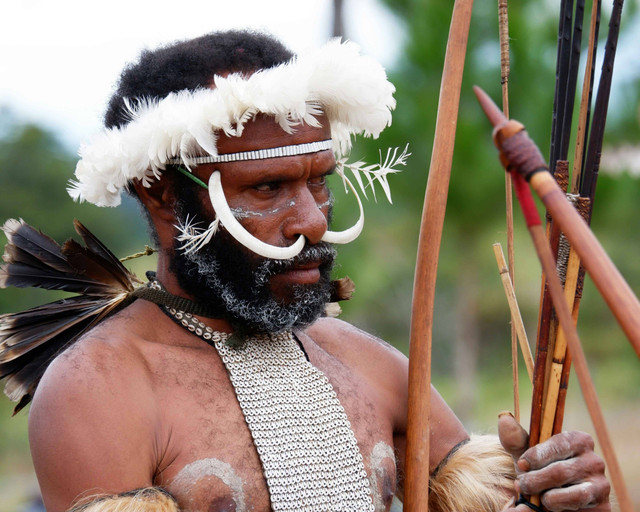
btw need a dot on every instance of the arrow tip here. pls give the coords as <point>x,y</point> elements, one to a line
<point>491,110</point>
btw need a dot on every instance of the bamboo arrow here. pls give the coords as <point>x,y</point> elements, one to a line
<point>505,70</point>
<point>520,156</point>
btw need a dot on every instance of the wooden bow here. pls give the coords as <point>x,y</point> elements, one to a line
<point>416,490</point>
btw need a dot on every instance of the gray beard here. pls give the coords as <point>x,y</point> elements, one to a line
<point>235,282</point>
<point>249,305</point>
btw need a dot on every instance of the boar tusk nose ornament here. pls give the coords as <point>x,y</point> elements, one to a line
<point>235,229</point>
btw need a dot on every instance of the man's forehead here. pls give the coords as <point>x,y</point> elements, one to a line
<point>263,132</point>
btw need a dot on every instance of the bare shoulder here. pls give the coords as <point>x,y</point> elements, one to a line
<point>352,344</point>
<point>383,367</point>
<point>92,410</point>
<point>94,367</point>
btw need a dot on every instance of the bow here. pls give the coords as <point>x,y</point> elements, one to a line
<point>416,493</point>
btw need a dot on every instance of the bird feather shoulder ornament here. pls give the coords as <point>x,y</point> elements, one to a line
<point>29,340</point>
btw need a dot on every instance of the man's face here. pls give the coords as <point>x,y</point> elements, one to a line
<point>276,200</point>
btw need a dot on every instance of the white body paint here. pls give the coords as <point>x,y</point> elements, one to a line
<point>192,473</point>
<point>380,452</point>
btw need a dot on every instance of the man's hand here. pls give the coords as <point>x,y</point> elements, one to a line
<point>564,470</point>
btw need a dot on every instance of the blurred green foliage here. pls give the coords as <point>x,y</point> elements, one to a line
<point>34,170</point>
<point>381,263</point>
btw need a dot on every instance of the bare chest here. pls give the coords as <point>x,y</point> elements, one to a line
<point>208,459</point>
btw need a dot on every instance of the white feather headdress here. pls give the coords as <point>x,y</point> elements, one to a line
<point>351,89</point>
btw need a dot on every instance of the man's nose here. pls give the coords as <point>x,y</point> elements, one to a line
<point>306,218</point>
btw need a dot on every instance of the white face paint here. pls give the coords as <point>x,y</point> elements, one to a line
<point>193,473</point>
<point>328,202</point>
<point>241,213</point>
<point>380,452</point>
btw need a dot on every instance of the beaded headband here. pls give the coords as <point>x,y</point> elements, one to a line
<point>260,154</point>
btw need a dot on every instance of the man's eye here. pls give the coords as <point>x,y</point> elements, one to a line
<point>266,187</point>
<point>320,180</point>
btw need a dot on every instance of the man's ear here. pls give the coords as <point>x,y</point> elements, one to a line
<point>159,198</point>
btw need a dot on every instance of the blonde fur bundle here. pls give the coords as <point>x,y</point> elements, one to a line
<point>477,477</point>
<point>150,499</point>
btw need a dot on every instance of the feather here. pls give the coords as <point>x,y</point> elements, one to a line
<point>21,384</point>
<point>35,243</point>
<point>25,276</point>
<point>96,246</point>
<point>21,332</point>
<point>32,259</point>
<point>31,339</point>
<point>26,352</point>
<point>376,172</point>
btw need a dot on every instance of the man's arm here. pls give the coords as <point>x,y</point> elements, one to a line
<point>91,425</point>
<point>482,460</point>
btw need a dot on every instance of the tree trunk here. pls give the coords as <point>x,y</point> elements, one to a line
<point>338,20</point>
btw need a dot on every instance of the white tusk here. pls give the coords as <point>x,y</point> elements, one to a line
<point>348,235</point>
<point>235,229</point>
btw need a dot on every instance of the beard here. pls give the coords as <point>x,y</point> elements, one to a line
<point>236,283</point>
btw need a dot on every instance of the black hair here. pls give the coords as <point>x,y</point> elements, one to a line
<point>191,65</point>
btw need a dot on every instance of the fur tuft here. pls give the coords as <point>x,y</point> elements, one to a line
<point>477,477</point>
<point>150,499</point>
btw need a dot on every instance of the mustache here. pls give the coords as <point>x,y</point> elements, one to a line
<point>322,252</point>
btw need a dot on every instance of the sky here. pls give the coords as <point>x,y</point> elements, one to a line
<point>59,60</point>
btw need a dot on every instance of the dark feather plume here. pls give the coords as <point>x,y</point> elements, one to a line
<point>30,340</point>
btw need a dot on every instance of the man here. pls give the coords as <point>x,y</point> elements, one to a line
<point>244,396</point>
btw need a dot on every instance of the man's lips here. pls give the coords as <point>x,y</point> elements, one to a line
<point>307,273</point>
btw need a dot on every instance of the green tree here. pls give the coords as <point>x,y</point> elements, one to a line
<point>470,302</point>
<point>34,170</point>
